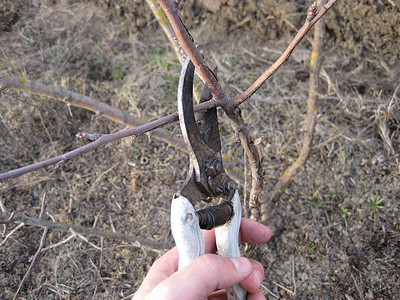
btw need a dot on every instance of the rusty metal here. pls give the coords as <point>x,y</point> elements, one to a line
<point>206,178</point>
<point>214,216</point>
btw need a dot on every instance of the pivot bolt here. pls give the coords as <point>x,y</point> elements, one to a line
<point>219,189</point>
<point>214,167</point>
<point>230,186</point>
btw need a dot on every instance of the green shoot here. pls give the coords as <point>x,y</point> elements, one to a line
<point>345,212</point>
<point>311,246</point>
<point>375,204</point>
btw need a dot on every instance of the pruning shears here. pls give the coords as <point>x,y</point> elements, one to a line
<point>206,180</point>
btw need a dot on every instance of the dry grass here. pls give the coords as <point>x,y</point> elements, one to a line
<point>330,233</point>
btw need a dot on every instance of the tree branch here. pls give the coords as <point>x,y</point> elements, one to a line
<point>187,43</point>
<point>78,100</point>
<point>312,105</point>
<point>88,103</point>
<point>218,92</point>
<point>166,27</point>
<point>285,55</point>
<point>84,231</point>
<point>241,129</point>
<point>257,173</point>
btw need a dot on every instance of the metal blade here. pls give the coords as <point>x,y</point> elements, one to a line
<point>198,150</point>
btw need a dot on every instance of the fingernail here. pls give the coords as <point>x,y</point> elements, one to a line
<point>242,265</point>
<point>261,295</point>
<point>268,233</point>
<point>258,277</point>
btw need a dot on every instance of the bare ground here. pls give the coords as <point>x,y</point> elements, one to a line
<point>341,235</point>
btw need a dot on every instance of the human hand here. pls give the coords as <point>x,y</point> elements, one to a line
<point>208,274</point>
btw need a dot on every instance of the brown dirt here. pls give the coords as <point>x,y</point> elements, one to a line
<point>335,244</point>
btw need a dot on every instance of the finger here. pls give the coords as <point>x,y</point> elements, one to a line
<point>253,232</point>
<point>250,232</point>
<point>162,268</point>
<point>253,282</point>
<point>218,295</point>
<point>256,296</point>
<point>203,276</point>
<point>221,295</point>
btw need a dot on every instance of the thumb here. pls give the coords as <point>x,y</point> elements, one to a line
<point>203,276</point>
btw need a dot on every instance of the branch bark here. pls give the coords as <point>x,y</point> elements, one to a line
<point>312,105</point>
<point>187,43</point>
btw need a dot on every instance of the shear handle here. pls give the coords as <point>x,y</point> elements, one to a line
<point>227,238</point>
<point>190,241</point>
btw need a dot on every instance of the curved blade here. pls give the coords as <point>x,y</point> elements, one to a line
<point>187,121</point>
<point>195,187</point>
<point>206,176</point>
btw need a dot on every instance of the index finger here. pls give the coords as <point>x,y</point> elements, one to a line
<point>250,232</point>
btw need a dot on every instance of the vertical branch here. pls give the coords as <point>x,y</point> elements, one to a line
<point>187,43</point>
<point>230,106</point>
<point>312,105</point>
<point>166,26</point>
<point>173,39</point>
<point>242,132</point>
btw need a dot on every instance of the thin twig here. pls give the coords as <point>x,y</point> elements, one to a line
<point>312,105</point>
<point>11,233</point>
<point>284,288</point>
<point>357,287</point>
<point>42,240</point>
<point>8,220</point>
<point>268,291</point>
<point>245,184</point>
<point>294,275</point>
<point>41,245</point>
<point>325,143</point>
<point>104,139</point>
<point>97,217</point>
<point>284,57</point>
<point>86,231</point>
<point>59,243</point>
<point>78,100</point>
<point>85,240</point>
<point>42,205</point>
